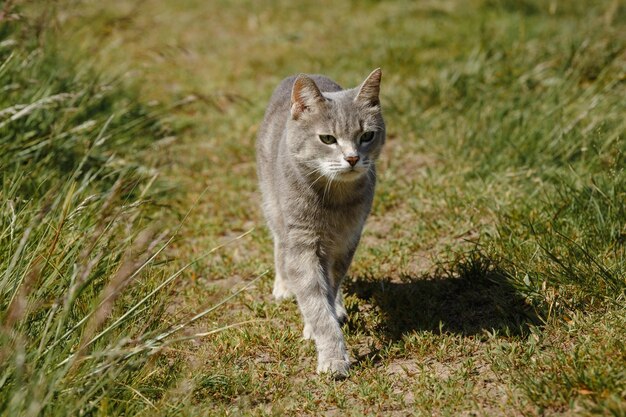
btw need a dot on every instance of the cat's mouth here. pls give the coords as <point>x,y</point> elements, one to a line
<point>350,174</point>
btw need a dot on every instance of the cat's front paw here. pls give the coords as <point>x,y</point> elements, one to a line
<point>337,368</point>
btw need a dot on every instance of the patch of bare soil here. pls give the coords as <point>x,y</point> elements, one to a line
<point>489,392</point>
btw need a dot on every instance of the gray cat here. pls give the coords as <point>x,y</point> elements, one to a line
<point>316,151</point>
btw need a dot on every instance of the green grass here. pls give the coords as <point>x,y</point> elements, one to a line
<point>76,241</point>
<point>491,277</point>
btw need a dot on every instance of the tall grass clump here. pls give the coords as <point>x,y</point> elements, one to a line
<point>535,112</point>
<point>545,122</point>
<point>79,305</point>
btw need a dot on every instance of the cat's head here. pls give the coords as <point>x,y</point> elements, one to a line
<point>336,135</point>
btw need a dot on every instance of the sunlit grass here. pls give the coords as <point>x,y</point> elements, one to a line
<point>82,245</point>
<point>491,274</point>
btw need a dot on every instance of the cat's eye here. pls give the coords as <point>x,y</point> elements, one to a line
<point>367,137</point>
<point>328,139</point>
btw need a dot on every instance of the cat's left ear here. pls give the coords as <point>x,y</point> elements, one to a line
<point>369,90</point>
<point>304,96</point>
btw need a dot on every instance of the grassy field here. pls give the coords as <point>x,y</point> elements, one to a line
<point>491,279</point>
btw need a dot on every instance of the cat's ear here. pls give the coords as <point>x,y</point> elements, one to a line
<point>369,90</point>
<point>304,96</point>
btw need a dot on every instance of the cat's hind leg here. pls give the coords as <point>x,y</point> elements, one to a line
<point>340,309</point>
<point>280,291</point>
<point>339,270</point>
<point>307,333</point>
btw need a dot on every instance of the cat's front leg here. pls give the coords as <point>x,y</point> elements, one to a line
<point>316,301</point>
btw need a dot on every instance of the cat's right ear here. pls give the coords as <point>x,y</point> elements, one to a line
<point>304,96</point>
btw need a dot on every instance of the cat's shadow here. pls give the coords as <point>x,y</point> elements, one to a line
<point>472,299</point>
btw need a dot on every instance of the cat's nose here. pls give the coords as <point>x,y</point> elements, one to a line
<point>352,160</point>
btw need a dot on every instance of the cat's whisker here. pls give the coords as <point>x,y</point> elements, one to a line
<point>372,174</point>
<point>313,183</point>
<point>316,170</point>
<point>328,185</point>
<point>325,188</point>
